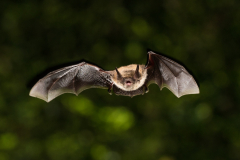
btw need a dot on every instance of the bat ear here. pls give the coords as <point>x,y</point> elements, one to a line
<point>150,61</point>
<point>137,73</point>
<point>119,76</point>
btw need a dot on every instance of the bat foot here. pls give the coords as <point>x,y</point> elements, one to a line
<point>110,91</point>
<point>146,90</point>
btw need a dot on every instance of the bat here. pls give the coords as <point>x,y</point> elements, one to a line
<point>128,80</point>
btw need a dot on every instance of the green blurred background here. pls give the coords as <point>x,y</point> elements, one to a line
<point>39,36</point>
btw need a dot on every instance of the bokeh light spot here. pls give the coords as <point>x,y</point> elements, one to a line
<point>203,111</point>
<point>79,104</point>
<point>98,152</point>
<point>116,119</point>
<point>140,27</point>
<point>134,50</point>
<point>8,141</point>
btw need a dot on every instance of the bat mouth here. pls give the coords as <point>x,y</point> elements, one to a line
<point>128,83</point>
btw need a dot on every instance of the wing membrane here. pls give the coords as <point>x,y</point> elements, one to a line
<point>171,75</point>
<point>72,79</point>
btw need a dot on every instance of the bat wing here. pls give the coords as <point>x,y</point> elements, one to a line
<point>167,73</point>
<point>71,79</point>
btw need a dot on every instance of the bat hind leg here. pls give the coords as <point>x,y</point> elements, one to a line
<point>110,89</point>
<point>145,89</point>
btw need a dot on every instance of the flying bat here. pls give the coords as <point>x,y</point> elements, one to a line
<point>128,80</point>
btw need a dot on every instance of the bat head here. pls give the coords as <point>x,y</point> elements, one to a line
<point>130,77</point>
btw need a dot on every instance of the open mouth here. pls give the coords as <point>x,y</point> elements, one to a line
<point>128,83</point>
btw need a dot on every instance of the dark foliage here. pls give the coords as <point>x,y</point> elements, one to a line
<point>36,36</point>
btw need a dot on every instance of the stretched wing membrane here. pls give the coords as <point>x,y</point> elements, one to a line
<point>169,74</point>
<point>72,79</point>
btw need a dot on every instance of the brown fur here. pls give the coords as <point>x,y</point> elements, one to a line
<point>128,71</point>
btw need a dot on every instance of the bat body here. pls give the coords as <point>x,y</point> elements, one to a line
<point>128,80</point>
